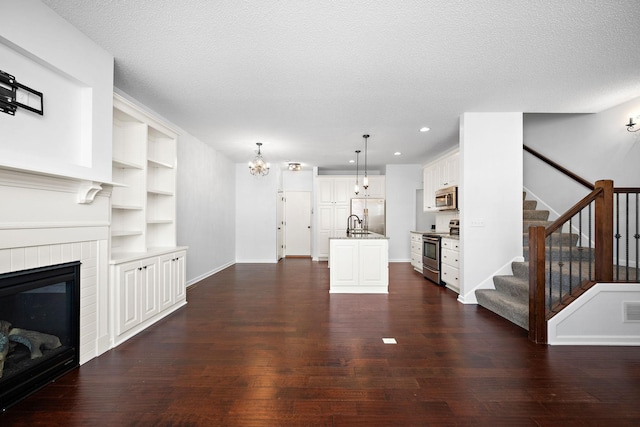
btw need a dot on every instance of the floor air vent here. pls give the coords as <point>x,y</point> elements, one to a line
<point>632,311</point>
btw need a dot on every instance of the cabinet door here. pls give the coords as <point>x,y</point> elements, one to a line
<point>450,167</point>
<point>325,190</point>
<point>179,277</point>
<point>128,296</point>
<point>343,190</point>
<point>376,186</point>
<point>325,228</point>
<point>429,184</point>
<point>344,267</point>
<point>340,215</point>
<point>373,262</point>
<point>149,289</point>
<point>165,281</point>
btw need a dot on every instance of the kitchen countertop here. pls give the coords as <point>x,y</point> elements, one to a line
<point>371,235</point>
<point>444,234</point>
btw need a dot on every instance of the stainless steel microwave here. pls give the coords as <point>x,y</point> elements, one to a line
<point>447,199</point>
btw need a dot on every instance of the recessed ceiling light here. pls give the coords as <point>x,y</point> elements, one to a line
<point>352,161</point>
<point>397,153</point>
<point>424,129</point>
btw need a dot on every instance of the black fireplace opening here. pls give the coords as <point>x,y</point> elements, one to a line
<point>39,328</point>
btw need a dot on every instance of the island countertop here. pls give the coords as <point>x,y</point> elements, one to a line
<point>361,236</point>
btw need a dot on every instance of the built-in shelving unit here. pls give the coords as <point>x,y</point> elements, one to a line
<point>148,269</point>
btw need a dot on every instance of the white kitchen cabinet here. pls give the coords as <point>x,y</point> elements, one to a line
<point>416,251</point>
<point>359,265</point>
<point>147,272</point>
<point>376,187</point>
<point>332,222</point>
<point>450,263</point>
<point>335,190</point>
<point>442,173</point>
<point>333,207</point>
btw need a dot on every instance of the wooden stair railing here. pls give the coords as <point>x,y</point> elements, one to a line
<point>612,215</point>
<point>541,307</point>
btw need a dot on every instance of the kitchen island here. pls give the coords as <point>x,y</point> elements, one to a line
<point>359,264</point>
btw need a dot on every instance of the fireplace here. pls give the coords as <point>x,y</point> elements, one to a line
<point>39,328</point>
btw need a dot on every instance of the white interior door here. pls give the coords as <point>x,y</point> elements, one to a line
<point>280,223</point>
<point>297,223</point>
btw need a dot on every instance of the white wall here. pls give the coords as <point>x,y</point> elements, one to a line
<point>206,208</point>
<point>490,198</point>
<point>46,53</point>
<point>594,146</point>
<point>256,228</point>
<point>297,181</point>
<point>598,317</point>
<point>402,181</point>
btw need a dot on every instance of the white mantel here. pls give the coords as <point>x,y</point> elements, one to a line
<point>47,220</point>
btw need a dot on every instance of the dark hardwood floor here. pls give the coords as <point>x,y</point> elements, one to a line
<point>266,345</point>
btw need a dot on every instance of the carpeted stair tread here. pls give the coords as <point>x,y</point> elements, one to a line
<point>558,237</point>
<point>504,305</point>
<point>535,215</point>
<point>529,205</point>
<point>518,287</point>
<point>565,253</point>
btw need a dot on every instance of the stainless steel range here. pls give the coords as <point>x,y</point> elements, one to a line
<point>431,248</point>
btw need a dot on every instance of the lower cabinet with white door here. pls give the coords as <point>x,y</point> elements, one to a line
<point>416,251</point>
<point>450,264</point>
<point>359,265</point>
<point>146,289</point>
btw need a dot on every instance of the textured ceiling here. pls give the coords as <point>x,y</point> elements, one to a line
<point>309,78</point>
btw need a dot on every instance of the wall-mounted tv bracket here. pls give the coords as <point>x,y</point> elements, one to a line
<point>14,95</point>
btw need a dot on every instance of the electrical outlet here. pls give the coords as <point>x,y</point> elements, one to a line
<point>477,222</point>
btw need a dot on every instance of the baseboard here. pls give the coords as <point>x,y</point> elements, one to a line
<point>195,280</point>
<point>469,296</point>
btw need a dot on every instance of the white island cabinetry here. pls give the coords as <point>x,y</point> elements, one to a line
<point>359,265</point>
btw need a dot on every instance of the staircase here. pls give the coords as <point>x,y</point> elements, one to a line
<point>510,298</point>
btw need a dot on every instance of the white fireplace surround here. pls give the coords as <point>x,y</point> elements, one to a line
<point>48,220</point>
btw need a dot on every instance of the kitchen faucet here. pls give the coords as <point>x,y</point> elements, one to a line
<point>352,225</point>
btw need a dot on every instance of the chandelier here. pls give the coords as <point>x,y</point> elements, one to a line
<point>259,166</point>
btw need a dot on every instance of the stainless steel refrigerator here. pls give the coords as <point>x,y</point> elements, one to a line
<point>375,209</point>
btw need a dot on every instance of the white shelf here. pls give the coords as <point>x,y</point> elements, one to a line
<point>158,163</point>
<point>127,207</point>
<point>123,233</point>
<point>159,192</point>
<point>117,163</point>
<point>143,207</point>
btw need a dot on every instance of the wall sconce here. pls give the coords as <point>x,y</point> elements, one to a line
<point>295,167</point>
<point>630,126</point>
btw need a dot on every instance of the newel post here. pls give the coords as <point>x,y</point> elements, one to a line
<point>604,232</point>
<point>537,300</point>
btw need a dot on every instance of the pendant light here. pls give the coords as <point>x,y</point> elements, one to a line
<point>356,189</point>
<point>365,180</point>
<point>259,166</point>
